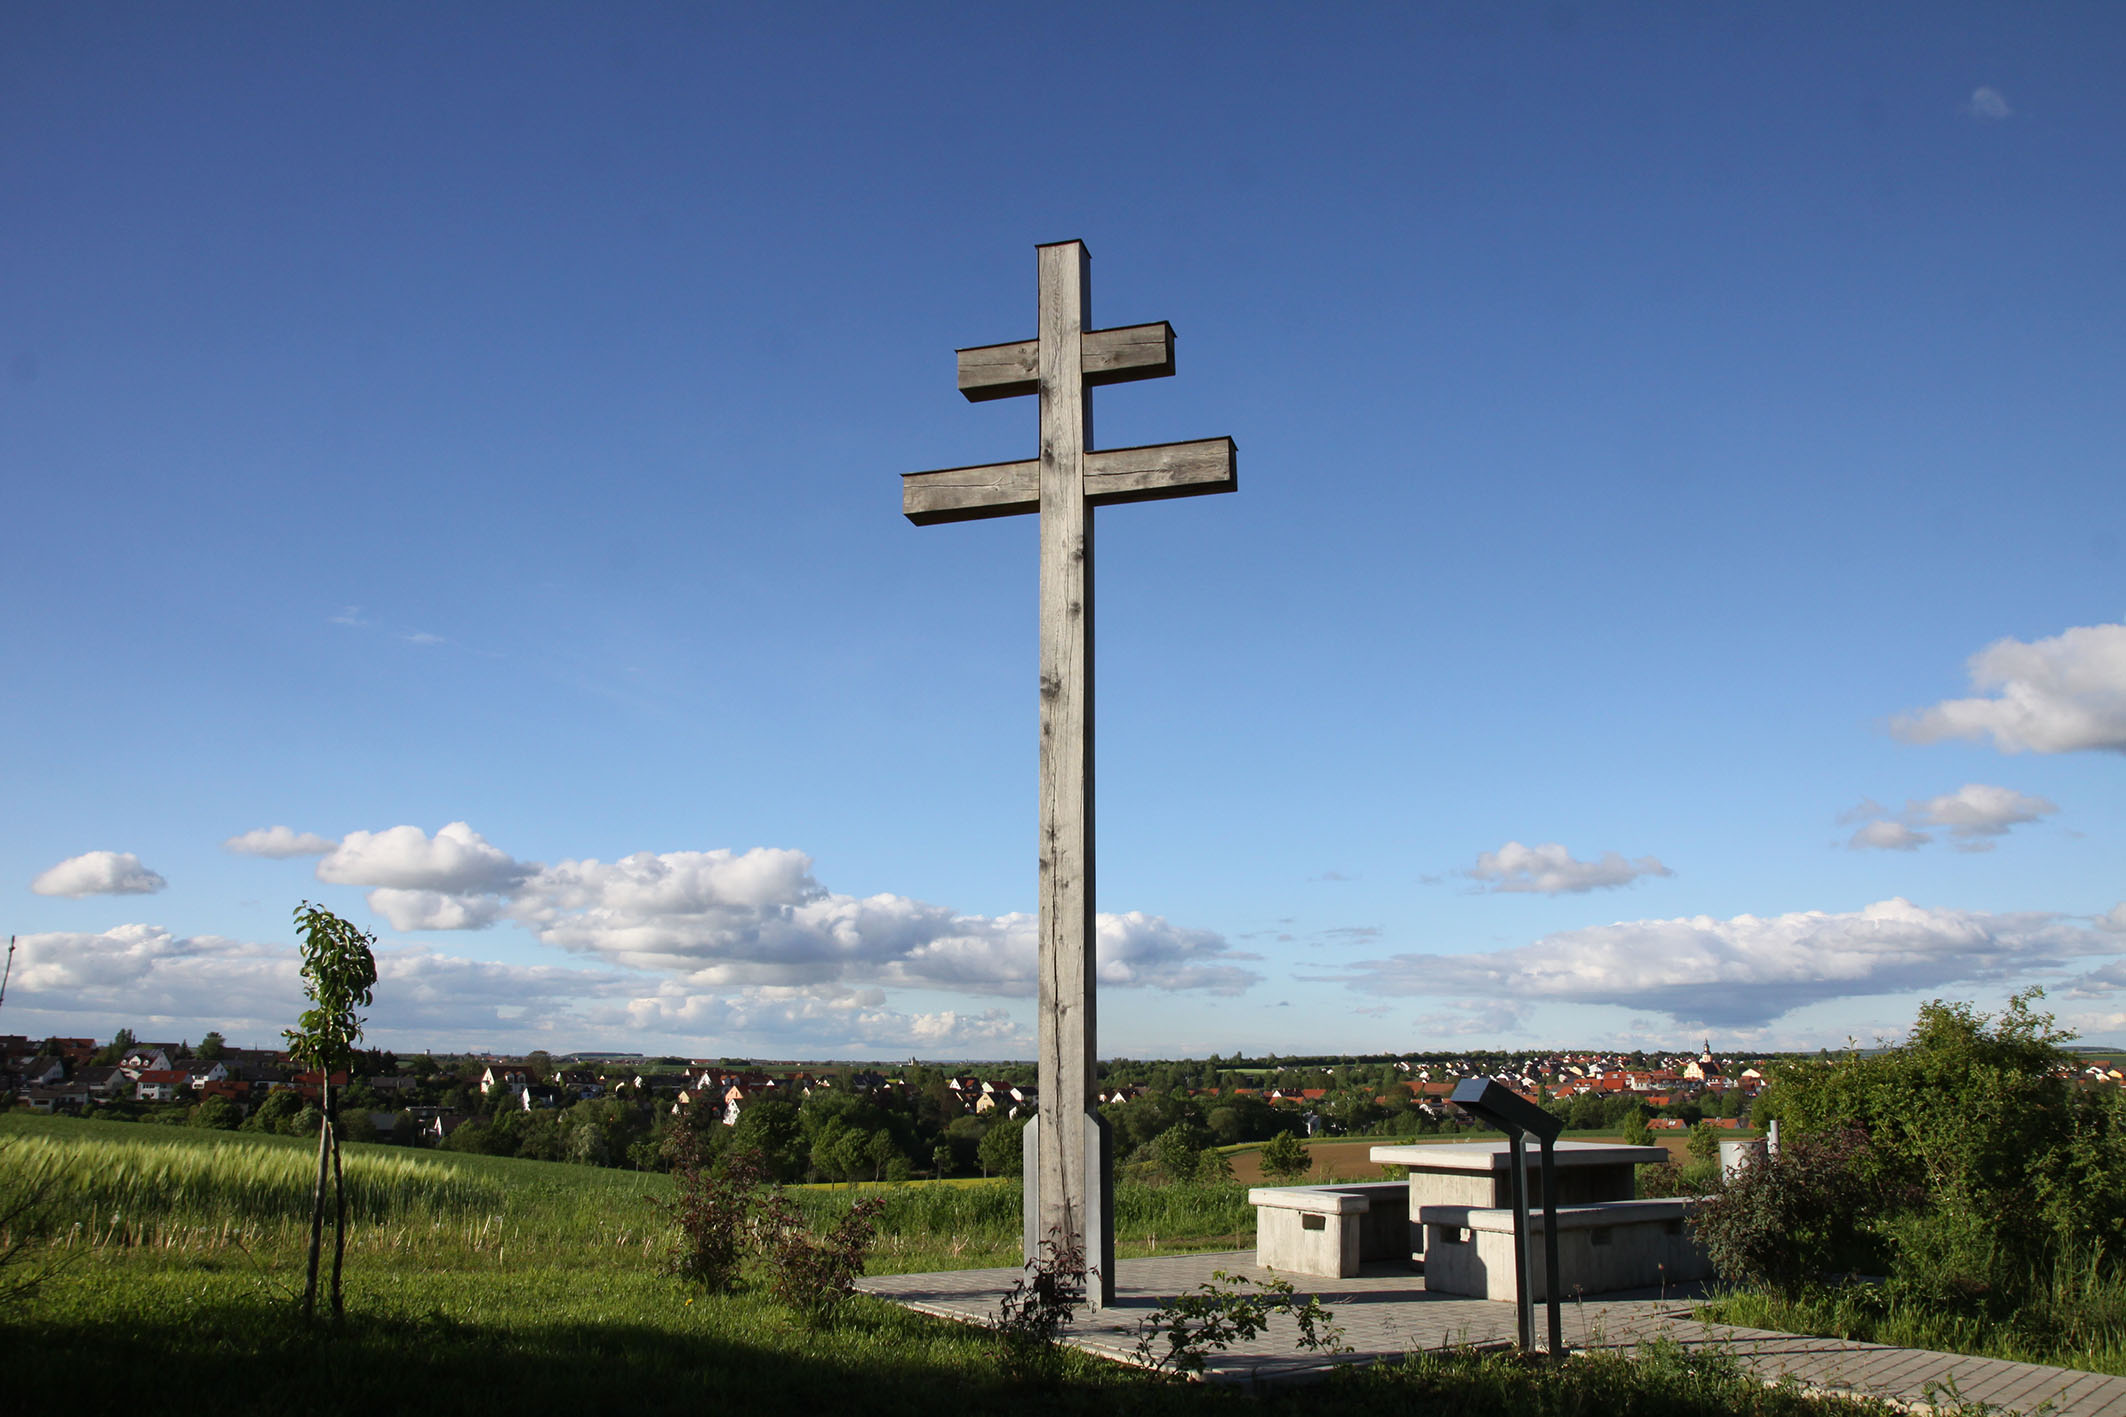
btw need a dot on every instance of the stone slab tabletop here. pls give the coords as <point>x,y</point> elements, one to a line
<point>1494,1155</point>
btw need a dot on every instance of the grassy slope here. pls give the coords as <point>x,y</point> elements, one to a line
<point>553,1303</point>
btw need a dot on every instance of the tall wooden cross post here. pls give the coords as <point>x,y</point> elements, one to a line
<point>1070,1171</point>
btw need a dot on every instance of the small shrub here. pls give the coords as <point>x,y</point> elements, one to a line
<point>1039,1307</point>
<point>1660,1179</point>
<point>218,1113</point>
<point>1636,1132</point>
<point>1212,1318</point>
<point>1793,1216</point>
<point>713,1205</point>
<point>1286,1158</point>
<point>1001,1149</point>
<point>1671,1178</point>
<point>1952,1259</point>
<point>810,1273</point>
<point>1180,1151</point>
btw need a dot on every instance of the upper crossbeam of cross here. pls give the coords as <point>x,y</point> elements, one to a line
<point>1118,356</point>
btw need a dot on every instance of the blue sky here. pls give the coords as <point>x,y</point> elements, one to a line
<point>1676,584</point>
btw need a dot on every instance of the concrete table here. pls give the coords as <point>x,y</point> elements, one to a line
<point>1476,1174</point>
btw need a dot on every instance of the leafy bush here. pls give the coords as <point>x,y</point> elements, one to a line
<point>1286,1158</point>
<point>1673,1178</point>
<point>1039,1306</point>
<point>727,1209</point>
<point>1002,1148</point>
<point>712,1207</point>
<point>1179,1151</point>
<point>218,1114</point>
<point>1213,1317</point>
<point>811,1273</point>
<point>1793,1216</point>
<point>1992,1167</point>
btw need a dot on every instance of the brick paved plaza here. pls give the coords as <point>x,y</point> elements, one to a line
<point>1385,1312</point>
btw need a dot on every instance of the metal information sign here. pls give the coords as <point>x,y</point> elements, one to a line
<point>1518,1117</point>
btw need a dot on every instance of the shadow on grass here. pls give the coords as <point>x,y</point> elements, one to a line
<point>236,1358</point>
<point>242,1358</point>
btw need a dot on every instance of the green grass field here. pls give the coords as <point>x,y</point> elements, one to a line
<point>479,1284</point>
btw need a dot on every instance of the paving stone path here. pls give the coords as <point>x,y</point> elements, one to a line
<point>1385,1313</point>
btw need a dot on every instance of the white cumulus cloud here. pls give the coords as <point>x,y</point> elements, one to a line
<point>828,1020</point>
<point>1975,816</point>
<point>98,873</point>
<point>1887,836</point>
<point>1549,869</point>
<point>759,918</point>
<point>434,910</point>
<point>1977,812</point>
<point>145,974</point>
<point>722,919</point>
<point>279,843</point>
<point>1748,970</point>
<point>181,986</point>
<point>1988,105</point>
<point>2058,695</point>
<point>456,860</point>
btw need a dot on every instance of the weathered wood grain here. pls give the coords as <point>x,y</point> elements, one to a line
<point>967,494</point>
<point>1162,470</point>
<point>1066,886</point>
<point>1112,476</point>
<point>1117,356</point>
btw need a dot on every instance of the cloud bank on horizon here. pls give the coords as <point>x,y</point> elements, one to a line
<point>152,978</point>
<point>1749,971</point>
<point>1739,975</point>
<point>750,943</point>
<point>758,918</point>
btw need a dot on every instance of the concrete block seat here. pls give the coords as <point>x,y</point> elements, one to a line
<point>1602,1248</point>
<point>1331,1230</point>
<point>1481,1174</point>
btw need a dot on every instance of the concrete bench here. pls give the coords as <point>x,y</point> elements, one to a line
<point>1331,1230</point>
<point>1639,1244</point>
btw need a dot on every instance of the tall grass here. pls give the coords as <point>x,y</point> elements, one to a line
<point>1201,1211</point>
<point>128,1185</point>
<point>133,1192</point>
<point>2073,1318</point>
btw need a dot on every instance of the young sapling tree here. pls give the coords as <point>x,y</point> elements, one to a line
<point>339,973</point>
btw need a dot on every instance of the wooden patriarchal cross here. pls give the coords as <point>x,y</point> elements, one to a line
<point>1069,1172</point>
